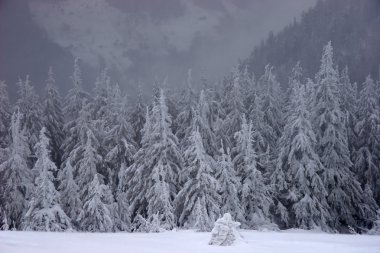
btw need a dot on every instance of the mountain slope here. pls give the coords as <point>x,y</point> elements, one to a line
<point>352,26</point>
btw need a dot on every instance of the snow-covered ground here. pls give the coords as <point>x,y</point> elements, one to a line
<point>185,241</point>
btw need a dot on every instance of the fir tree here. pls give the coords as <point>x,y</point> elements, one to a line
<point>53,118</point>
<point>197,204</point>
<point>229,185</point>
<point>255,196</point>
<point>29,106</point>
<point>159,162</point>
<point>5,121</point>
<point>367,155</point>
<point>69,192</point>
<point>18,177</point>
<point>137,118</point>
<point>296,178</point>
<point>345,195</point>
<point>45,212</point>
<point>348,97</point>
<point>95,215</point>
<point>233,106</point>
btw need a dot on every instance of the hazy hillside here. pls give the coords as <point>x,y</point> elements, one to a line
<point>352,26</point>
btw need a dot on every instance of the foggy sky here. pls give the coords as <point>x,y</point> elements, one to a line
<point>138,39</point>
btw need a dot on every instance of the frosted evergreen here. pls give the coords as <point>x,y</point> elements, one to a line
<point>44,210</point>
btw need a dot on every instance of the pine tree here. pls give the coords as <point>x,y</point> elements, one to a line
<point>95,215</point>
<point>75,108</point>
<point>53,118</point>
<point>5,121</point>
<point>29,106</point>
<point>367,155</point>
<point>18,177</point>
<point>131,187</point>
<point>69,192</point>
<point>229,185</point>
<point>118,140</point>
<point>184,120</point>
<point>254,194</point>
<point>271,106</point>
<point>137,118</point>
<point>45,212</point>
<point>76,96</point>
<point>345,195</point>
<point>197,204</point>
<point>296,177</point>
<point>87,164</point>
<point>233,106</point>
<point>204,122</point>
<point>159,161</point>
<point>348,97</point>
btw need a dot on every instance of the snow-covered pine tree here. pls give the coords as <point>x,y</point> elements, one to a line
<point>248,84</point>
<point>131,187</point>
<point>272,107</point>
<point>367,155</point>
<point>87,163</point>
<point>53,119</point>
<point>184,120</point>
<point>96,215</point>
<point>5,122</point>
<point>75,96</point>
<point>229,185</point>
<point>348,96</point>
<point>137,118</point>
<point>345,195</point>
<point>18,177</point>
<point>159,162</point>
<point>29,106</point>
<point>205,123</point>
<point>296,179</point>
<point>76,103</point>
<point>69,192</point>
<point>233,105</point>
<point>44,210</point>
<point>197,204</point>
<point>261,146</point>
<point>255,195</point>
<point>118,140</point>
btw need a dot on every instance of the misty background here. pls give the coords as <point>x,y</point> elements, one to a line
<point>138,40</point>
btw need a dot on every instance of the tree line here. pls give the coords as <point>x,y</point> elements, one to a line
<point>306,156</point>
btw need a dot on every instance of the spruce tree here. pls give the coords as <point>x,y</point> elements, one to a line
<point>345,195</point>
<point>229,186</point>
<point>18,177</point>
<point>367,155</point>
<point>75,106</point>
<point>53,118</point>
<point>30,107</point>
<point>69,192</point>
<point>199,199</point>
<point>233,107</point>
<point>96,215</point>
<point>137,118</point>
<point>254,194</point>
<point>45,212</point>
<point>159,161</point>
<point>296,179</point>
<point>5,121</point>
<point>348,96</point>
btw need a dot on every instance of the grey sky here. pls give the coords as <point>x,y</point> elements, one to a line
<point>141,39</point>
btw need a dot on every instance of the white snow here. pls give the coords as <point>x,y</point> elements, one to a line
<point>185,241</point>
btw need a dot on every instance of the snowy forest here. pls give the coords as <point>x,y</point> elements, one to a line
<point>305,156</point>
